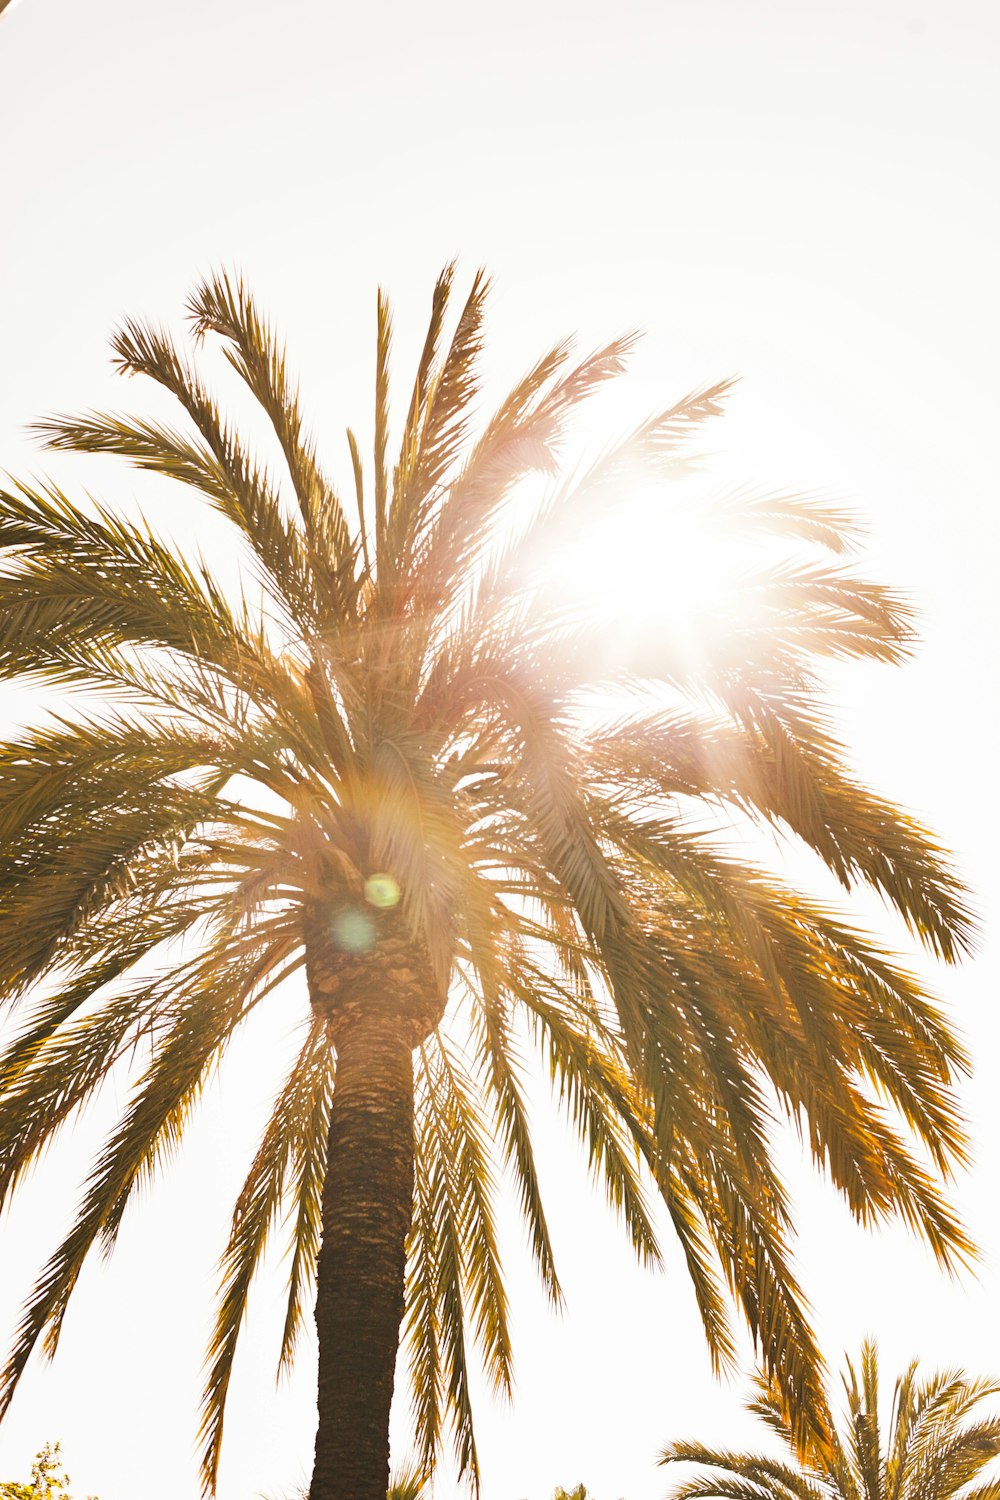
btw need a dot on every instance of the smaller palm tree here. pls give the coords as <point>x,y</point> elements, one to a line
<point>408,1482</point>
<point>936,1446</point>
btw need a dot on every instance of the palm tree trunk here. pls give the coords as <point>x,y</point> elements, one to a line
<point>367,1207</point>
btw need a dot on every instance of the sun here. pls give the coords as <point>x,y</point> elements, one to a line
<point>659,573</point>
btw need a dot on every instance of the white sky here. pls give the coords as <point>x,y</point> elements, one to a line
<point>802,193</point>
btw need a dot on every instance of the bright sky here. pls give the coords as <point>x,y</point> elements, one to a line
<point>801,193</point>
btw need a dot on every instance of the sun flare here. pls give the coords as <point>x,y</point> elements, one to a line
<point>657,573</point>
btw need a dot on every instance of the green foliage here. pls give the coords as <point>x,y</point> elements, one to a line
<point>400,697</point>
<point>408,1482</point>
<point>939,1444</point>
<point>49,1480</point>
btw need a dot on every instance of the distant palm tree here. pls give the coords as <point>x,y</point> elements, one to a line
<point>934,1448</point>
<point>371,766</point>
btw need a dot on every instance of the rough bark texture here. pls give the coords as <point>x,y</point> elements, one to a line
<point>386,978</point>
<point>378,1005</point>
<point>367,1204</point>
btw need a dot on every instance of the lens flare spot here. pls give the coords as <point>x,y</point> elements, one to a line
<point>381,891</point>
<point>353,930</point>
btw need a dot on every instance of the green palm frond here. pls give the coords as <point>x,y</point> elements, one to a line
<point>937,1444</point>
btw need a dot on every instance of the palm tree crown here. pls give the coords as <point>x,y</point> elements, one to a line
<point>935,1446</point>
<point>371,767</point>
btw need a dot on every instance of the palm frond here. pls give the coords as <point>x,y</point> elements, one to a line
<point>383,351</point>
<point>290,1143</point>
<point>933,1447</point>
<point>223,306</point>
<point>202,1019</point>
<point>217,466</point>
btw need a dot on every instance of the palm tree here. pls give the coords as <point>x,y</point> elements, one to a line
<point>935,1448</point>
<point>387,764</point>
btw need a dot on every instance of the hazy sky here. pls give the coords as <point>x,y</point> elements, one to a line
<point>801,193</point>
